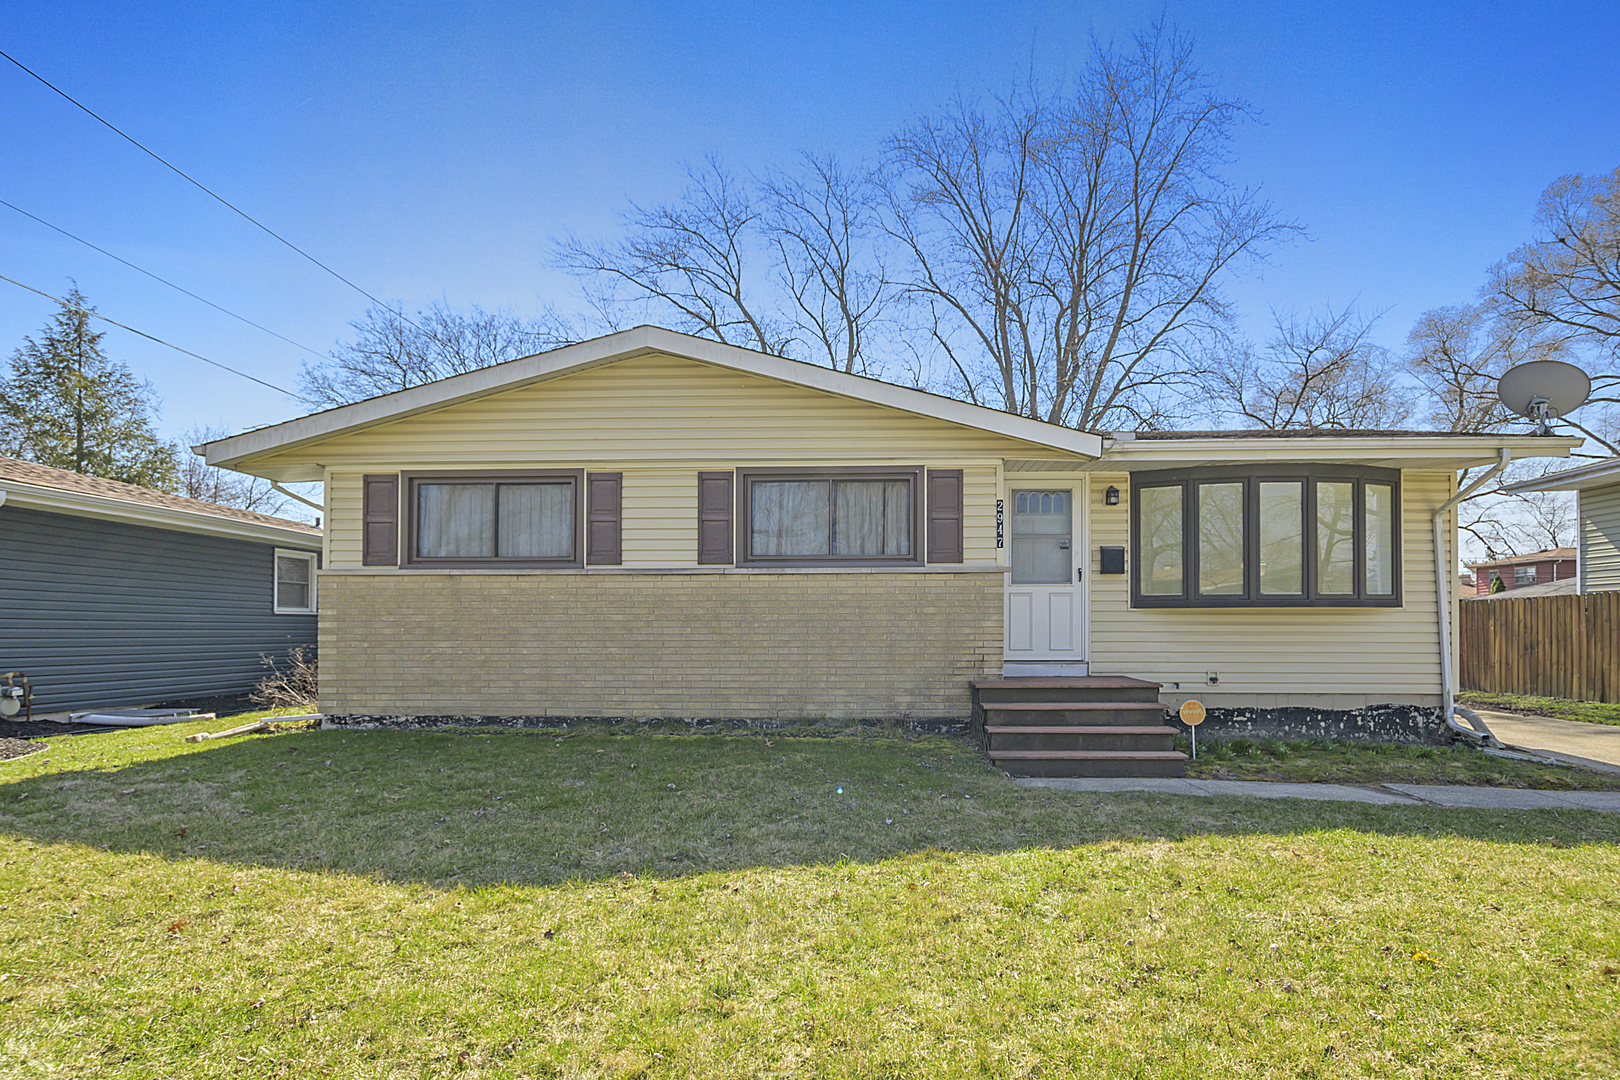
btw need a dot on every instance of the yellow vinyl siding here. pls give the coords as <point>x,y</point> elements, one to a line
<point>1599,517</point>
<point>661,408</point>
<point>660,517</point>
<point>344,491</point>
<point>1328,657</point>
<point>660,421</point>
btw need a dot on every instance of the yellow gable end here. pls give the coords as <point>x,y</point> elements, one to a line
<point>660,408</point>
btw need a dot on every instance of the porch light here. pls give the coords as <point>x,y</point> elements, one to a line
<point>1111,496</point>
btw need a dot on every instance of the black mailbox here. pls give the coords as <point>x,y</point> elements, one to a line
<point>1113,560</point>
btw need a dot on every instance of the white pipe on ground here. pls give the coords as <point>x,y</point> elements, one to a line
<point>1442,587</point>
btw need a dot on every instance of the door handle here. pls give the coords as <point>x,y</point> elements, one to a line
<point>1079,574</point>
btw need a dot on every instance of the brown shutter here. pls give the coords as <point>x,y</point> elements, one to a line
<point>944,515</point>
<point>379,545</point>
<point>714,517</point>
<point>604,529</point>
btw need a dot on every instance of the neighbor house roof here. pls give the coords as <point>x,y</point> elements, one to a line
<point>1550,555</point>
<point>1598,474</point>
<point>41,487</point>
<point>612,348</point>
<point>1562,587</point>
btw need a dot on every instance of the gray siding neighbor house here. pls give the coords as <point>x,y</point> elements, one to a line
<point>115,595</point>
<point>1597,513</point>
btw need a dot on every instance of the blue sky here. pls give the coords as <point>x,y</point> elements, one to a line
<point>433,151</point>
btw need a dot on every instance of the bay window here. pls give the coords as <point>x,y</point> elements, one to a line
<point>1280,535</point>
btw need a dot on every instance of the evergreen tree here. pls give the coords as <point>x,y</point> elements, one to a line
<point>70,407</point>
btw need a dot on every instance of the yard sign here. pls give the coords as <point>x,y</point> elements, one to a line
<point>1192,714</point>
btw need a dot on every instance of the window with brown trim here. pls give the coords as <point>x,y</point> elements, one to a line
<point>1271,536</point>
<point>493,518</point>
<point>809,517</point>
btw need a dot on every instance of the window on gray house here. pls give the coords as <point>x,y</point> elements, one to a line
<point>295,582</point>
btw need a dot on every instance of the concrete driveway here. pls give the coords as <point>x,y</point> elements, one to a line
<point>1596,745</point>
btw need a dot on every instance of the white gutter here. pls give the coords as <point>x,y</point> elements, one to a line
<point>1442,580</point>
<point>276,486</point>
<point>81,504</point>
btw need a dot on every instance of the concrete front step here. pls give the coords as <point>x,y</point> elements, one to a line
<point>1091,762</point>
<point>1072,712</point>
<point>1077,688</point>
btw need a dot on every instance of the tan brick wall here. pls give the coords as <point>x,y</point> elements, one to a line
<point>736,645</point>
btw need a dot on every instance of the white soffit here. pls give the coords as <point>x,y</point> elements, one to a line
<point>640,341</point>
<point>1383,451</point>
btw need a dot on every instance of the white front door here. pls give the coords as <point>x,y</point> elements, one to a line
<point>1046,599</point>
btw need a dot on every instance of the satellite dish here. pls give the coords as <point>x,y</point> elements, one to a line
<point>1544,390</point>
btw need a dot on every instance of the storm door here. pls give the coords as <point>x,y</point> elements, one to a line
<point>1045,614</point>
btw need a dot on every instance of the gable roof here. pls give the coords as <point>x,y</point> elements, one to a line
<point>1603,473</point>
<point>612,348</point>
<point>61,491</point>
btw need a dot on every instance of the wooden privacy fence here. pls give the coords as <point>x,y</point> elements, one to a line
<point>1549,646</point>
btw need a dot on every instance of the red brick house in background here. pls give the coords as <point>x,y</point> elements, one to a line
<point>1539,568</point>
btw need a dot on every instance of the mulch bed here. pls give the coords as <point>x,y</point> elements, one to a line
<point>16,748</point>
<point>39,729</point>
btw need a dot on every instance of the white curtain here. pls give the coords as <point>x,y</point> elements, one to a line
<point>536,521</point>
<point>874,518</point>
<point>790,517</point>
<point>845,518</point>
<point>455,521</point>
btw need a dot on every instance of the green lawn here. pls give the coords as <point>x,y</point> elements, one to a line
<point>1591,712</point>
<point>375,904</point>
<point>1331,762</point>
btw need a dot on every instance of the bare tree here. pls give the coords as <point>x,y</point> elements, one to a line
<point>1323,371</point>
<point>1070,248</point>
<point>1562,289</point>
<point>1457,355</point>
<point>822,225</point>
<point>696,257</point>
<point>1566,283</point>
<point>200,480</point>
<point>391,353</point>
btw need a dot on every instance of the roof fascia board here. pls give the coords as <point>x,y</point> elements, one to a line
<point>1464,451</point>
<point>627,344</point>
<point>1597,474</point>
<point>77,504</point>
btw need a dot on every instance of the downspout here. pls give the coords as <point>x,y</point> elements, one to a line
<point>294,495</point>
<point>1442,578</point>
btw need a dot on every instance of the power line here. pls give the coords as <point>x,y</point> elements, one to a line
<point>154,277</point>
<point>198,184</point>
<point>160,341</point>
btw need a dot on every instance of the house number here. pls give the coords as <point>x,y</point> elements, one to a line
<point>1001,509</point>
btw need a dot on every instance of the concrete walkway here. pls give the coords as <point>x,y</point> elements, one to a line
<point>1448,795</point>
<point>1593,745</point>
